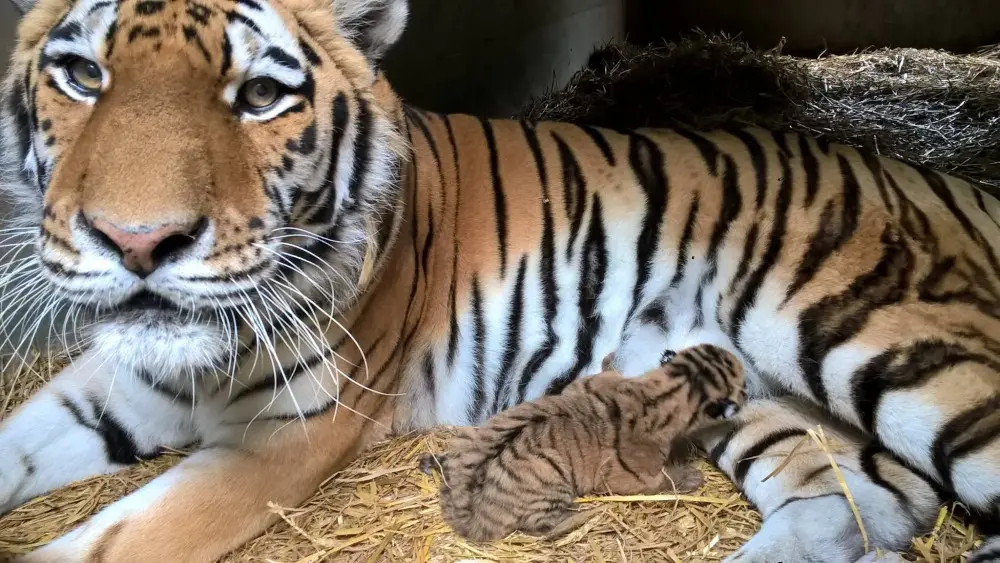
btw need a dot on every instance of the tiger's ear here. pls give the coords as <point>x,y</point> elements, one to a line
<point>23,5</point>
<point>373,25</point>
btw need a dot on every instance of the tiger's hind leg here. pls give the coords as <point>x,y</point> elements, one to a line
<point>807,516</point>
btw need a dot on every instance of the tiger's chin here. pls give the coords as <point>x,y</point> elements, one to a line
<point>162,343</point>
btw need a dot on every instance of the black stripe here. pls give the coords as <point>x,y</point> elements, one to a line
<point>791,500</point>
<point>512,347</point>
<point>68,31</point>
<point>475,409</point>
<point>119,444</point>
<point>875,168</point>
<point>452,306</point>
<point>149,7</point>
<point>362,149</point>
<point>167,391</point>
<point>574,191</point>
<point>938,186</point>
<point>593,272</point>
<point>499,199</point>
<point>191,36</point>
<point>227,56</point>
<point>646,161</point>
<point>310,53</point>
<point>940,189</point>
<point>870,468</point>
<point>417,119</point>
<point>232,17</point>
<point>836,319</point>
<point>830,235</point>
<point>74,410</point>
<point>947,448</point>
<point>709,152</point>
<point>781,140</point>
<point>339,117</point>
<point>306,142</point>
<point>531,137</point>
<point>547,275</point>
<point>720,448</point>
<point>981,203</point>
<point>777,237</point>
<point>758,161</point>
<point>281,377</point>
<point>753,453</point>
<point>810,165</point>
<point>18,107</point>
<point>597,136</point>
<point>732,203</point>
<point>427,370</point>
<point>685,243</point>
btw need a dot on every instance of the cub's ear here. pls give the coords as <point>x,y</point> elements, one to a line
<point>23,5</point>
<point>373,25</point>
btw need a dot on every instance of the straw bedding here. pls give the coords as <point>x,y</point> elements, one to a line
<point>918,105</point>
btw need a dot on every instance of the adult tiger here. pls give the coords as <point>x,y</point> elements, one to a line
<point>242,206</point>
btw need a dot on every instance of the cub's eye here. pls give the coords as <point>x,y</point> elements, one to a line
<point>260,93</point>
<point>85,75</point>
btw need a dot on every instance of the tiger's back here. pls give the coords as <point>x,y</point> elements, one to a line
<point>573,242</point>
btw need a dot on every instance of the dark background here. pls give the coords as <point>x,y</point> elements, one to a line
<point>489,56</point>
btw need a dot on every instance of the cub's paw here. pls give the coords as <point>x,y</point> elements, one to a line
<point>722,409</point>
<point>683,478</point>
<point>430,462</point>
<point>667,357</point>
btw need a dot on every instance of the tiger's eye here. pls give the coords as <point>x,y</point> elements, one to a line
<point>260,93</point>
<point>85,75</point>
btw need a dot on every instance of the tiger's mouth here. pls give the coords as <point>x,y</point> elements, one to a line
<point>146,300</point>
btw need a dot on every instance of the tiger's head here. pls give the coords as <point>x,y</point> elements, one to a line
<point>184,165</point>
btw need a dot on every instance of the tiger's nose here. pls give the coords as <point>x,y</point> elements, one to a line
<point>144,248</point>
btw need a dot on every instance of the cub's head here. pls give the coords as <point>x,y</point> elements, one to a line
<point>186,165</point>
<point>715,376</point>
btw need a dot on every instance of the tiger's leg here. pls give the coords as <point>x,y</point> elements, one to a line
<point>806,513</point>
<point>87,421</point>
<point>217,499</point>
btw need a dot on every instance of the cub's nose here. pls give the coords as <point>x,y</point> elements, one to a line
<point>143,248</point>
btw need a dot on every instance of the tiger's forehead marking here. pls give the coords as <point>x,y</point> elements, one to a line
<point>237,39</point>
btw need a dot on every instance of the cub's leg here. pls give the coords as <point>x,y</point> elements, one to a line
<point>806,513</point>
<point>87,421</point>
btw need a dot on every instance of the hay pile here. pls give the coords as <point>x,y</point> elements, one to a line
<point>919,105</point>
<point>922,106</point>
<point>382,508</point>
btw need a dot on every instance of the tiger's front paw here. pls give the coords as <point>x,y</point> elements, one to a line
<point>15,470</point>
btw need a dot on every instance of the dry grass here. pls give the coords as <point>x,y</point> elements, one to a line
<point>919,105</point>
<point>382,508</point>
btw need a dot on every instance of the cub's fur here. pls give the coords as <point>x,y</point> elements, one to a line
<point>524,468</point>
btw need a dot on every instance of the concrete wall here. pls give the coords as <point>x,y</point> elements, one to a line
<point>488,56</point>
<point>835,25</point>
<point>8,23</point>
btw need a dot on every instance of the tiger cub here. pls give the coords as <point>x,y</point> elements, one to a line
<point>523,469</point>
